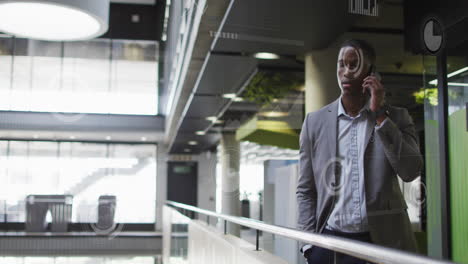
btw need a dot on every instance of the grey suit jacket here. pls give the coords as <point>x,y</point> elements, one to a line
<point>391,151</point>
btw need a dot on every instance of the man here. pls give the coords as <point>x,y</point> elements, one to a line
<point>351,153</point>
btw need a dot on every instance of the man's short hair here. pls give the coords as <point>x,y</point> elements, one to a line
<point>366,48</point>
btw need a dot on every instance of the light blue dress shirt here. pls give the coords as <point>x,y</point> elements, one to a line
<point>349,213</point>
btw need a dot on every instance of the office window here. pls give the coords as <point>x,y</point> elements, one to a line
<point>103,76</point>
<point>84,170</point>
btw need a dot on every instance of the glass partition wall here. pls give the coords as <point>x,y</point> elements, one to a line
<point>458,142</point>
<point>99,76</point>
<point>84,171</point>
<point>103,76</point>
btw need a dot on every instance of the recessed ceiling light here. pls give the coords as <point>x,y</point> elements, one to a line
<point>54,20</point>
<point>36,136</point>
<point>143,138</point>
<point>212,118</point>
<point>273,114</point>
<point>233,97</point>
<point>72,137</point>
<point>193,143</point>
<point>266,56</point>
<point>200,133</point>
<point>229,95</point>
<point>108,138</point>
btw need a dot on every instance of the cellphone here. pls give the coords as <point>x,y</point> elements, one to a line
<point>373,72</point>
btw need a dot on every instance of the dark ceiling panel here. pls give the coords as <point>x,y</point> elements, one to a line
<point>288,28</point>
<point>204,142</point>
<point>136,22</point>
<point>260,44</point>
<point>283,27</point>
<point>264,25</point>
<point>204,106</point>
<point>194,124</point>
<point>225,74</point>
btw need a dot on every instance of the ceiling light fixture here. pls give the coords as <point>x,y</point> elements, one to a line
<point>200,133</point>
<point>233,97</point>
<point>212,118</point>
<point>229,95</point>
<point>266,56</point>
<point>457,84</point>
<point>72,137</point>
<point>273,114</point>
<point>193,143</point>
<point>462,70</point>
<point>187,150</point>
<point>55,20</point>
<point>108,138</point>
<point>143,138</point>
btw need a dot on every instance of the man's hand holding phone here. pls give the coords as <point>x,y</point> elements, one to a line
<point>374,87</point>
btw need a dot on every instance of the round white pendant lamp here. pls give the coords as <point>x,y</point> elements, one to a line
<point>54,20</point>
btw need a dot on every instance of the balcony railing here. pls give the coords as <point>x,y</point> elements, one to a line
<point>366,251</point>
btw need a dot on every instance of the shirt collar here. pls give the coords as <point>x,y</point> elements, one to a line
<point>341,110</point>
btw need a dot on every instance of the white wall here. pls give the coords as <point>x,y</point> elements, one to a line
<point>286,211</point>
<point>280,207</point>
<point>208,246</point>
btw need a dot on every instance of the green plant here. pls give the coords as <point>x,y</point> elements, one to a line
<point>426,93</point>
<point>266,86</point>
<point>431,95</point>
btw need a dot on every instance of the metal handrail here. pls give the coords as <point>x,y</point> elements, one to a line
<point>358,249</point>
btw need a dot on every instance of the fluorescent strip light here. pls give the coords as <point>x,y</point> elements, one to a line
<point>457,84</point>
<point>434,82</point>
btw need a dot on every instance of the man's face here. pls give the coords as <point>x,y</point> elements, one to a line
<point>351,70</point>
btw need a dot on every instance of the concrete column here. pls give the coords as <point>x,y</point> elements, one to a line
<point>321,85</point>
<point>230,163</point>
<point>161,183</point>
<point>207,181</point>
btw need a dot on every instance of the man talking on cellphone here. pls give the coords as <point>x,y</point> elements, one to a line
<point>352,152</point>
